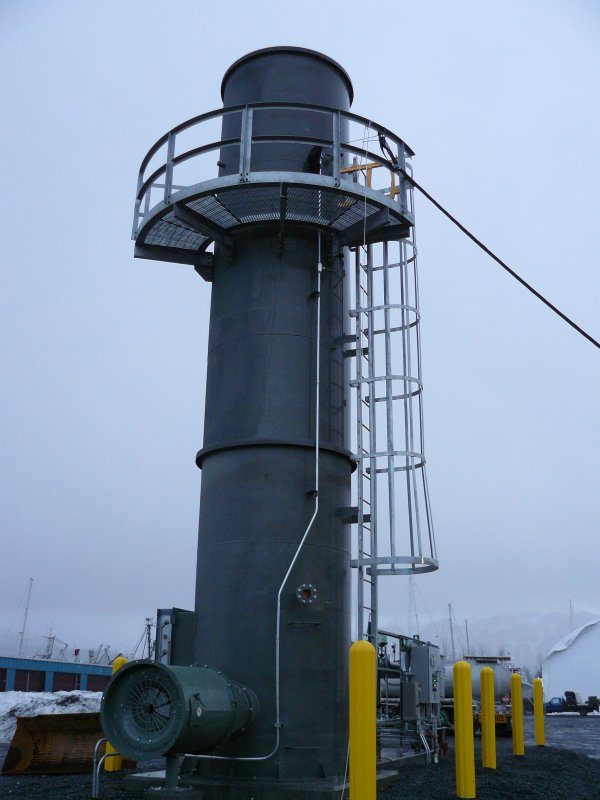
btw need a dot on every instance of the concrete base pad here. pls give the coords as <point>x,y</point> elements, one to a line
<point>249,789</point>
<point>182,793</point>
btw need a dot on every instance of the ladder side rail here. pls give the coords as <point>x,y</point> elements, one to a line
<point>373,460</point>
<point>367,582</point>
<point>359,449</point>
<point>389,403</point>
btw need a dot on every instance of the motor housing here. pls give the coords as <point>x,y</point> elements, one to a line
<point>150,709</point>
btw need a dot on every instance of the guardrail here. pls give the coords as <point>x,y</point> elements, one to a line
<point>340,149</point>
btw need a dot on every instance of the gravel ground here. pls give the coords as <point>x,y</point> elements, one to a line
<point>545,773</point>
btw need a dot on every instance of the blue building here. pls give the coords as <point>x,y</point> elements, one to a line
<point>31,675</point>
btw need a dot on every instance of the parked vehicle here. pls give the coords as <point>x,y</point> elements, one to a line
<point>570,703</point>
<point>502,675</point>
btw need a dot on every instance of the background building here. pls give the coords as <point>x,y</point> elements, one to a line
<point>573,663</point>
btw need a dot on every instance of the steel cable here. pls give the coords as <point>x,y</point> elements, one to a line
<point>499,261</point>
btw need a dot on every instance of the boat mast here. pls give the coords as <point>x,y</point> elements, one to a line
<point>25,615</point>
<point>451,631</point>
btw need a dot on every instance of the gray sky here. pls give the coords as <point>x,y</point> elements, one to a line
<point>103,357</point>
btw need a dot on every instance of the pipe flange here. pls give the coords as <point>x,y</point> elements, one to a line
<point>306,593</point>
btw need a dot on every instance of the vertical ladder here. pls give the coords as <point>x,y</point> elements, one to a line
<point>395,528</point>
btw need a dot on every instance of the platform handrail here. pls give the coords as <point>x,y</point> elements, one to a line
<point>247,139</point>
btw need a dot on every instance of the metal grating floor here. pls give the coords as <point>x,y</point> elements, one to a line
<point>230,209</point>
<point>170,232</point>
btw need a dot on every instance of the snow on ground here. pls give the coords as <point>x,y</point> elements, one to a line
<point>30,704</point>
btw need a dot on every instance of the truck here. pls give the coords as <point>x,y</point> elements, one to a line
<point>570,703</point>
<point>502,675</point>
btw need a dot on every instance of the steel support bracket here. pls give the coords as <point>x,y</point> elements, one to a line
<point>364,228</point>
<point>283,196</point>
<point>204,266</point>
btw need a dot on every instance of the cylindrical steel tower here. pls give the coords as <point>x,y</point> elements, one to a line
<point>258,459</point>
<point>291,313</point>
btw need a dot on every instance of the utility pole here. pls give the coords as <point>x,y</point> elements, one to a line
<point>149,636</point>
<point>451,631</point>
<point>571,614</point>
<point>25,615</point>
<point>468,653</point>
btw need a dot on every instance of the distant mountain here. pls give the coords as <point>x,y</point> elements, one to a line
<point>527,637</point>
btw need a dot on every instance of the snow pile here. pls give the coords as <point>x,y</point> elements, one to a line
<point>30,704</point>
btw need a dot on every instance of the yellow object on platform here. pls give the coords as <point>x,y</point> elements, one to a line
<point>516,699</point>
<point>363,709</point>
<point>463,731</point>
<point>538,712</point>
<point>113,763</point>
<point>488,719</point>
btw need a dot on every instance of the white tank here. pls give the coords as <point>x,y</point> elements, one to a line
<point>502,675</point>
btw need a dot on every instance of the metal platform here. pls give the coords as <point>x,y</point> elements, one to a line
<point>177,220</point>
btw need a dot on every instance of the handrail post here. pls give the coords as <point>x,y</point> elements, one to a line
<point>401,179</point>
<point>336,147</point>
<point>169,166</point>
<point>138,201</point>
<point>246,143</point>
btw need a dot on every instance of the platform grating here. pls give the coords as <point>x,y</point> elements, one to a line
<point>353,212</point>
<point>213,209</point>
<point>233,208</point>
<point>253,204</point>
<point>170,232</point>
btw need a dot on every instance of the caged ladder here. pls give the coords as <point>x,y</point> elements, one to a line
<point>395,527</point>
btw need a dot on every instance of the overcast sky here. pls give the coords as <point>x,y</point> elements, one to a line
<point>103,357</point>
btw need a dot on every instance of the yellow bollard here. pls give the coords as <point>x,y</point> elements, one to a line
<point>363,710</point>
<point>538,712</point>
<point>114,763</point>
<point>463,731</point>
<point>488,719</point>
<point>516,699</point>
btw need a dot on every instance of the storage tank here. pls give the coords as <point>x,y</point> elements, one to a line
<point>502,675</point>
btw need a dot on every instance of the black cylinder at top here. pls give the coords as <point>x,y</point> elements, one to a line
<point>287,74</point>
<point>283,75</point>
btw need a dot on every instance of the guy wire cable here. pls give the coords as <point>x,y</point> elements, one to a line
<point>498,260</point>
